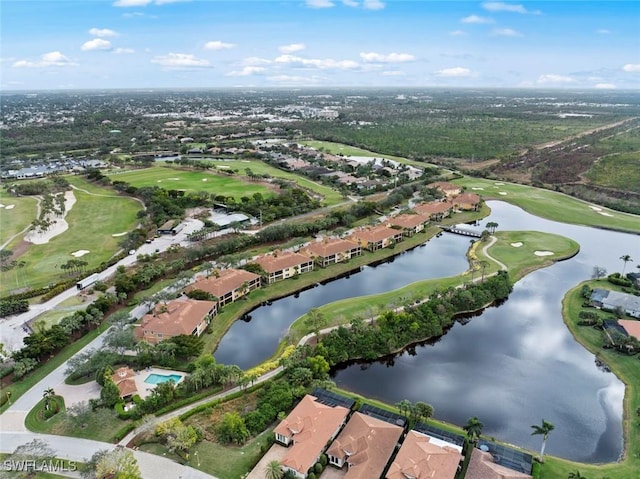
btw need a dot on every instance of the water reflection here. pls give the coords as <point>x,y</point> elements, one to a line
<point>518,363</point>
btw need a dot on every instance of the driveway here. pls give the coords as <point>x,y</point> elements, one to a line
<point>275,453</point>
<point>75,394</point>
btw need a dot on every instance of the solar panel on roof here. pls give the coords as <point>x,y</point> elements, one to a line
<point>382,414</point>
<point>438,433</point>
<point>508,457</point>
<point>332,399</point>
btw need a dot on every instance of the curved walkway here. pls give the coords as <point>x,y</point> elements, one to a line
<point>109,196</point>
<point>486,253</point>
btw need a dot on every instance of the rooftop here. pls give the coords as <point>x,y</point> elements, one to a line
<point>374,234</point>
<point>282,260</point>
<point>180,316</point>
<point>424,457</point>
<point>330,246</point>
<point>226,281</point>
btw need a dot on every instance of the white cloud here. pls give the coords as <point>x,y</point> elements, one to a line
<point>246,71</point>
<point>323,64</point>
<point>373,4</point>
<point>292,48</point>
<point>506,32</point>
<point>553,78</point>
<point>102,32</point>
<point>476,19</point>
<point>131,3</point>
<point>393,73</point>
<point>603,31</point>
<point>293,79</point>
<point>179,60</point>
<point>218,45</point>
<point>96,44</point>
<point>508,7</point>
<point>249,61</point>
<point>605,86</point>
<point>632,67</point>
<point>388,58</point>
<point>457,33</point>
<point>454,72</point>
<point>51,59</point>
<point>124,51</point>
<point>320,3</point>
<point>350,3</point>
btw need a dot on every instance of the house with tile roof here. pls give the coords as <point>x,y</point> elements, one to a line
<point>365,445</point>
<point>408,223</point>
<point>377,237</point>
<point>425,457</point>
<point>227,285</point>
<point>611,300</point>
<point>331,251</point>
<point>466,202</point>
<point>631,326</point>
<point>448,189</point>
<point>124,379</point>
<point>281,265</point>
<point>177,317</point>
<point>306,431</point>
<point>435,210</point>
<point>481,466</point>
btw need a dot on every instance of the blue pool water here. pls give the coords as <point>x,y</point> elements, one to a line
<point>162,378</point>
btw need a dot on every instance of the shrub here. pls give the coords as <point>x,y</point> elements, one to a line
<point>122,414</point>
<point>318,468</point>
<point>323,460</point>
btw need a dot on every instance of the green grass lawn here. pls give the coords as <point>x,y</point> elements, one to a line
<point>552,205</point>
<point>14,220</point>
<point>108,214</point>
<point>66,308</point>
<point>192,181</point>
<point>346,150</point>
<point>331,196</point>
<point>627,368</point>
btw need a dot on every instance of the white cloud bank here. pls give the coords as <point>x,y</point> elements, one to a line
<point>102,32</point>
<point>51,59</point>
<point>292,48</point>
<point>506,32</point>
<point>388,58</point>
<point>632,67</point>
<point>246,71</point>
<point>454,72</point>
<point>475,19</point>
<point>508,7</point>
<point>218,45</point>
<point>553,78</point>
<point>180,60</point>
<point>96,44</point>
<point>322,64</point>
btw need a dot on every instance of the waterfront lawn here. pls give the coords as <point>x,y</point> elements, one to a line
<point>191,181</point>
<point>331,196</point>
<point>66,308</point>
<point>14,220</point>
<point>109,215</point>
<point>552,205</point>
<point>625,367</point>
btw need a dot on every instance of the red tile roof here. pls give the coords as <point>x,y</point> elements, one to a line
<point>631,326</point>
<point>284,260</point>
<point>407,220</point>
<point>312,425</point>
<point>229,280</point>
<point>481,466</point>
<point>432,208</point>
<point>180,316</point>
<point>329,247</point>
<point>123,378</point>
<point>420,458</point>
<point>374,234</point>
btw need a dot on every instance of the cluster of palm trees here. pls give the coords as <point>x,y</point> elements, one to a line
<point>625,259</point>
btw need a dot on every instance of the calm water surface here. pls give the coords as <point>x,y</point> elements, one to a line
<point>511,366</point>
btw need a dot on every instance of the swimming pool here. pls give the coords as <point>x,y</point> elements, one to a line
<point>162,378</point>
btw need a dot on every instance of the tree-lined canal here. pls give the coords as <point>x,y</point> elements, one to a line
<point>511,366</point>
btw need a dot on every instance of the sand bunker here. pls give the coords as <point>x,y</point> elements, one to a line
<point>517,245</point>
<point>503,193</point>
<point>477,188</point>
<point>173,178</point>
<point>59,224</point>
<point>115,235</point>
<point>204,179</point>
<point>1,205</point>
<point>603,213</point>
<point>543,253</point>
<point>9,207</point>
<point>499,184</point>
<point>80,252</point>
<point>595,208</point>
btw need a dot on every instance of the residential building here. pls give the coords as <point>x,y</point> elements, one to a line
<point>611,300</point>
<point>482,466</point>
<point>377,237</point>
<point>466,202</point>
<point>448,189</point>
<point>631,326</point>
<point>365,445</point>
<point>332,250</point>
<point>178,317</point>
<point>307,430</point>
<point>425,457</point>
<point>409,224</point>
<point>124,379</point>
<point>284,264</point>
<point>435,210</point>
<point>228,285</point>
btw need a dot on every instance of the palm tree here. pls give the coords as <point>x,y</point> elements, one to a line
<point>625,259</point>
<point>273,470</point>
<point>473,428</point>
<point>492,226</point>
<point>575,475</point>
<point>483,265</point>
<point>544,429</point>
<point>48,396</point>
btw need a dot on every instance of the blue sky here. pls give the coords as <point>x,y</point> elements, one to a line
<point>295,43</point>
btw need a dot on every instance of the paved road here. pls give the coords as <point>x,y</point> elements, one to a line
<point>12,331</point>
